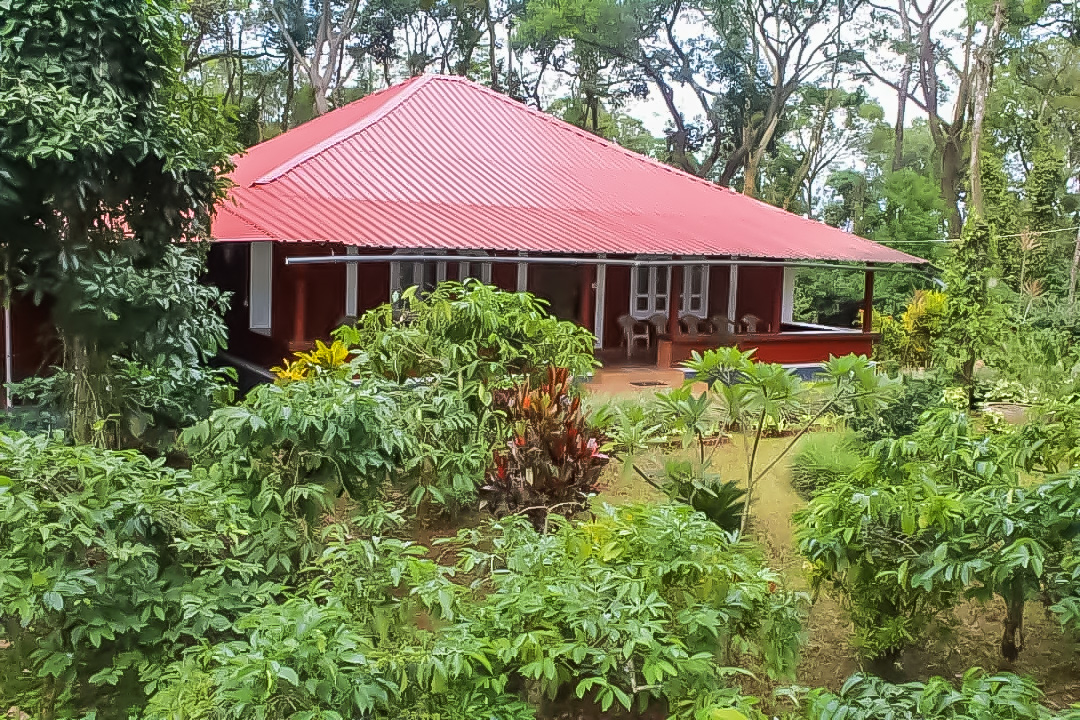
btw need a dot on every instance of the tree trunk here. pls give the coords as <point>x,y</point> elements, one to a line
<point>1072,275</point>
<point>290,91</point>
<point>901,110</point>
<point>950,184</point>
<point>1012,638</point>
<point>984,71</point>
<point>84,410</point>
<point>491,48</point>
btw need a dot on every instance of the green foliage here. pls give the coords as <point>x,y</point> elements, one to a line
<point>436,363</point>
<point>973,315</point>
<point>721,501</point>
<point>641,603</point>
<point>485,334</point>
<point>911,342</point>
<point>110,565</point>
<point>900,415</point>
<point>105,150</point>
<point>821,459</point>
<point>160,326</point>
<point>686,600</point>
<point>553,458</point>
<point>980,696</point>
<point>932,516</point>
<point>296,447</point>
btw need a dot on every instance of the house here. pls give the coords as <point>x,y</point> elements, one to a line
<point>440,178</point>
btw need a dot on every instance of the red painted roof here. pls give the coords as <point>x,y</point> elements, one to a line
<point>440,162</point>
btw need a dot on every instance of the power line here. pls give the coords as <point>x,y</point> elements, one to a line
<point>956,239</point>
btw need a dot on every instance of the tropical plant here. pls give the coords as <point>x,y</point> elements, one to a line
<point>480,332</point>
<point>158,327</point>
<point>899,416</point>
<point>107,158</point>
<point>754,395</point>
<point>111,565</point>
<point>910,341</point>
<point>642,604</point>
<point>552,460</point>
<point>323,358</point>
<point>687,601</point>
<point>820,459</point>
<point>295,448</point>
<point>980,695</point>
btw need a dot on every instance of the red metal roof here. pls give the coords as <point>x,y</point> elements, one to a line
<point>440,162</point>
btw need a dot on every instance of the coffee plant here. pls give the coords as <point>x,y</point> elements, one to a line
<point>981,696</point>
<point>642,605</point>
<point>111,565</point>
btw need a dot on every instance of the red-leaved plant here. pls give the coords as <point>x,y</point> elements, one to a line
<point>553,460</point>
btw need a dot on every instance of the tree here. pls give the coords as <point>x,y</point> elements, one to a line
<point>973,310</point>
<point>334,23</point>
<point>104,149</point>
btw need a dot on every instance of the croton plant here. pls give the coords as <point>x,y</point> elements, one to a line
<point>552,461</point>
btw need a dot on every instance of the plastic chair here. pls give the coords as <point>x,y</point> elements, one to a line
<point>634,331</point>
<point>751,323</point>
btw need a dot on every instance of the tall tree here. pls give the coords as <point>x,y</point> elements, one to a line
<point>104,149</point>
<point>334,23</point>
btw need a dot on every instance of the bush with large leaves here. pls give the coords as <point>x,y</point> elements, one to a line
<point>110,565</point>
<point>643,604</point>
<point>105,150</point>
<point>932,517</point>
<point>980,695</point>
<point>160,327</point>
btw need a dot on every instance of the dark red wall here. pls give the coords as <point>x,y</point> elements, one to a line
<point>504,276</point>
<point>760,291</point>
<point>616,303</point>
<point>718,289</point>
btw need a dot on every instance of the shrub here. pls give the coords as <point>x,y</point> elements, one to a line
<point>722,502</point>
<point>910,342</point>
<point>980,695</point>
<point>900,414</point>
<point>110,566</point>
<point>824,458</point>
<point>553,457</point>
<point>642,604</point>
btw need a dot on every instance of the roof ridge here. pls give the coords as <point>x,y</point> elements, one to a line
<point>581,132</point>
<point>405,91</point>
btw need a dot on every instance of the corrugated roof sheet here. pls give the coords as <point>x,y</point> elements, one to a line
<point>441,162</point>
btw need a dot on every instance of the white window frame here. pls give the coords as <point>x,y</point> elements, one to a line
<point>695,304</point>
<point>465,267</point>
<point>656,298</point>
<point>261,287</point>
<point>415,270</point>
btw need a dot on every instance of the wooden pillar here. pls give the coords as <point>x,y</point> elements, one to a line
<point>585,302</point>
<point>674,300</point>
<point>868,303</point>
<point>300,308</point>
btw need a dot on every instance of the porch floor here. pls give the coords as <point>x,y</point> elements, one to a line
<point>630,379</point>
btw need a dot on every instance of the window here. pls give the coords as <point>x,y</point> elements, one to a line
<point>260,287</point>
<point>473,269</point>
<point>423,274</point>
<point>649,290</point>
<point>695,290</point>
